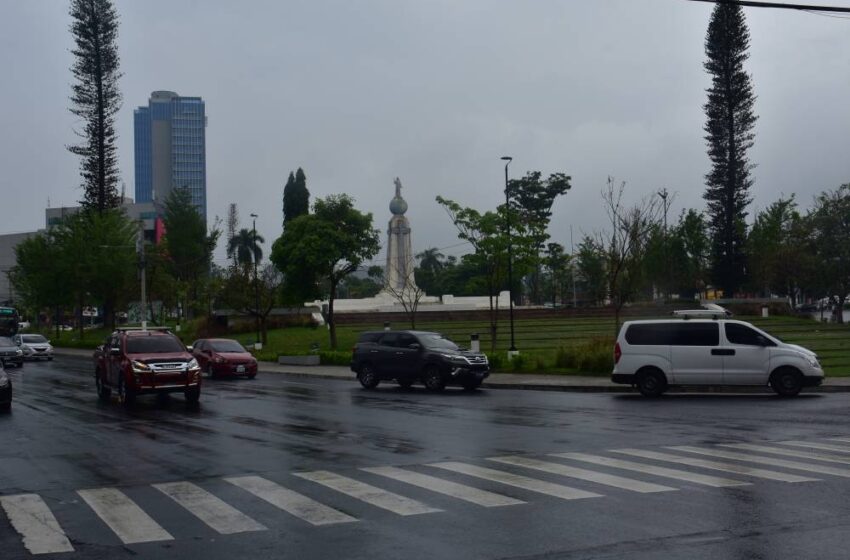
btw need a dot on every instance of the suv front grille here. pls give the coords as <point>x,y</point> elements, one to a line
<point>169,367</point>
<point>476,360</point>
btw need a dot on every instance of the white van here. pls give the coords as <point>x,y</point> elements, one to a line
<point>654,355</point>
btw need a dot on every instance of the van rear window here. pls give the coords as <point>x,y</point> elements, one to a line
<point>673,334</point>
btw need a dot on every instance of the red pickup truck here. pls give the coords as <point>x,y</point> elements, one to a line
<point>135,362</point>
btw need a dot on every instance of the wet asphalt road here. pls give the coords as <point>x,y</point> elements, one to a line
<point>59,439</point>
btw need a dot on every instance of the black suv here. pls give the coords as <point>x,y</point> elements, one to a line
<point>411,356</point>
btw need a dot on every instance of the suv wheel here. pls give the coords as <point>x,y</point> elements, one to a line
<point>433,379</point>
<point>786,382</point>
<point>126,396</point>
<point>103,392</point>
<point>367,377</point>
<point>651,383</point>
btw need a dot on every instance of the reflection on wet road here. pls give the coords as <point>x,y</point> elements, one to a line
<point>322,468</point>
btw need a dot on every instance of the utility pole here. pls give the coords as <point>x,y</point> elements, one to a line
<point>513,351</point>
<point>257,345</point>
<point>140,249</point>
<point>573,265</point>
<point>664,194</point>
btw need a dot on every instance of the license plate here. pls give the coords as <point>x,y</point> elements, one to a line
<point>240,369</point>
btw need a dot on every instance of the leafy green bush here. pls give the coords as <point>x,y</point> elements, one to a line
<point>334,358</point>
<point>518,362</point>
<point>595,356</point>
<point>565,357</point>
<point>496,361</point>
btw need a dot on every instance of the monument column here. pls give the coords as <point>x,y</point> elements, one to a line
<point>400,263</point>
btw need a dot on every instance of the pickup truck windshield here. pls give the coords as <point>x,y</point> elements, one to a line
<point>153,345</point>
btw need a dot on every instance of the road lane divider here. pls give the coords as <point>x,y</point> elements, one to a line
<point>367,493</point>
<point>121,514</point>
<point>32,519</point>
<point>220,516</point>
<point>665,472</point>
<point>583,474</point>
<point>441,486</point>
<point>517,481</point>
<point>291,502</point>
<point>716,465</point>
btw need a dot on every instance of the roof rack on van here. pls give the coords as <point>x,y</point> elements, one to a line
<point>711,311</point>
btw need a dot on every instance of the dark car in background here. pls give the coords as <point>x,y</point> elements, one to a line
<point>10,353</point>
<point>220,357</point>
<point>34,346</point>
<point>5,390</point>
<point>416,356</point>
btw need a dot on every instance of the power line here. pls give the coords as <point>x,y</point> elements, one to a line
<point>759,4</point>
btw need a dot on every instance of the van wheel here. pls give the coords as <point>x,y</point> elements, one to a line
<point>786,382</point>
<point>433,379</point>
<point>651,383</point>
<point>367,377</point>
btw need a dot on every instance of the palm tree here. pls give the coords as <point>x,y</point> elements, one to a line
<point>431,260</point>
<point>246,247</point>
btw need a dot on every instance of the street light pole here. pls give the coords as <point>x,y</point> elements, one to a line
<point>513,351</point>
<point>663,194</point>
<point>256,284</point>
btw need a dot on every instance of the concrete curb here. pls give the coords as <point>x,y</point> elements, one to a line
<point>535,382</point>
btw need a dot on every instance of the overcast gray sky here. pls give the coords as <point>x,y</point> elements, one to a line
<point>434,92</point>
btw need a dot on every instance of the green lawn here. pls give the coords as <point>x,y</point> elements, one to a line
<point>559,346</point>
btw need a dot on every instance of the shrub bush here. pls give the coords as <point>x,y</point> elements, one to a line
<point>334,358</point>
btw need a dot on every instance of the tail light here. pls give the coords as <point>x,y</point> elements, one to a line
<point>617,353</point>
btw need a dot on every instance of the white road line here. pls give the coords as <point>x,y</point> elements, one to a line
<point>222,517</point>
<point>716,465</point>
<point>654,470</point>
<point>31,517</point>
<point>822,446</point>
<point>788,452</point>
<point>441,486</point>
<point>583,474</point>
<point>844,439</point>
<point>123,516</point>
<point>291,502</point>
<point>772,461</point>
<point>367,493</point>
<point>531,484</point>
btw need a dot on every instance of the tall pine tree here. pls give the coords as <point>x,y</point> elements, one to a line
<point>296,197</point>
<point>729,133</point>
<point>96,99</point>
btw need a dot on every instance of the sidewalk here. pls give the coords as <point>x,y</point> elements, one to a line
<point>530,381</point>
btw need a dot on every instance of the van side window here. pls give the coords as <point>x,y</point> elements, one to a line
<point>648,334</point>
<point>696,334</point>
<point>389,339</point>
<point>739,334</point>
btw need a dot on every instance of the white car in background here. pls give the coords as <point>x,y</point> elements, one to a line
<point>34,346</point>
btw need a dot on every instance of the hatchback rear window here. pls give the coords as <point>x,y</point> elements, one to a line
<point>153,345</point>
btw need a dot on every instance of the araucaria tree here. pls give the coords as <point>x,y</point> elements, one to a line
<point>296,197</point>
<point>96,100</point>
<point>729,133</point>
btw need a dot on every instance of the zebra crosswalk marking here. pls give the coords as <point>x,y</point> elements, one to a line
<point>716,465</point>
<point>788,452</point>
<point>441,486</point>
<point>219,515</point>
<point>677,474</point>
<point>34,521</point>
<point>583,474</point>
<point>821,446</point>
<point>368,493</point>
<point>126,519</point>
<point>291,502</point>
<point>518,481</point>
<point>772,461</point>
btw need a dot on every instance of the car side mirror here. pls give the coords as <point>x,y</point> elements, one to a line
<point>414,346</point>
<point>189,348</point>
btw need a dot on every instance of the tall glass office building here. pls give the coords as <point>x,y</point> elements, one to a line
<point>170,148</point>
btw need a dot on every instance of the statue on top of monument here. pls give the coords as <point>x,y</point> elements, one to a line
<point>398,205</point>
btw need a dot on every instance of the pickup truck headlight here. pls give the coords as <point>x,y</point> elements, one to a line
<point>193,364</point>
<point>140,367</point>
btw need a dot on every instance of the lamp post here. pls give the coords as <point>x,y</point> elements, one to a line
<point>257,345</point>
<point>664,194</point>
<point>513,351</point>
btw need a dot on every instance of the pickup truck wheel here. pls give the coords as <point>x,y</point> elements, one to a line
<point>786,382</point>
<point>651,382</point>
<point>193,395</point>
<point>432,377</point>
<point>126,396</point>
<point>367,377</point>
<point>103,392</point>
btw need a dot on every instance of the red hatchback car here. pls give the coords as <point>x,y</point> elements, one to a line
<point>224,357</point>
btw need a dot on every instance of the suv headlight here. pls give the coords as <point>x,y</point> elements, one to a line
<point>19,352</point>
<point>140,367</point>
<point>454,358</point>
<point>193,364</point>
